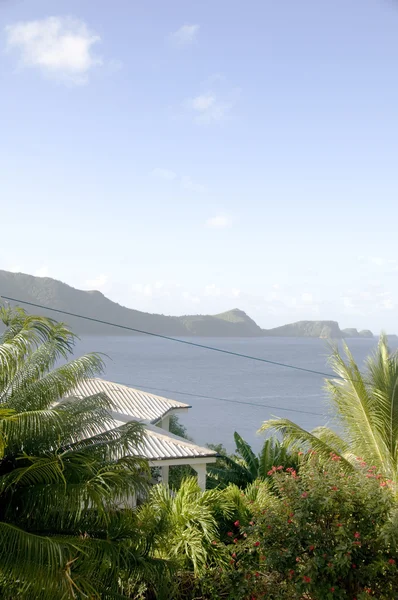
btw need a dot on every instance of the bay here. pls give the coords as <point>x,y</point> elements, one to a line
<point>176,370</point>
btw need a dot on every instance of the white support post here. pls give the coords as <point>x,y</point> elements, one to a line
<point>165,475</point>
<point>201,471</point>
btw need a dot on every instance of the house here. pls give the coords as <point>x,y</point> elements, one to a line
<point>160,447</point>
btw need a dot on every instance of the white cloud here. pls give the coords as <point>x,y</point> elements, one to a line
<point>15,269</point>
<point>185,35</point>
<point>235,292</point>
<point>348,302</point>
<point>98,282</point>
<point>388,304</point>
<point>219,222</point>
<point>307,298</point>
<point>141,288</point>
<point>61,47</point>
<point>212,290</point>
<point>376,260</point>
<point>42,272</point>
<point>188,184</point>
<point>164,174</point>
<point>193,299</point>
<point>203,103</point>
<point>208,108</point>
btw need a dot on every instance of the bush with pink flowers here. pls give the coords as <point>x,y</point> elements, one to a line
<point>325,534</point>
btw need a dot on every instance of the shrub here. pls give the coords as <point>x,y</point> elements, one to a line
<point>326,536</point>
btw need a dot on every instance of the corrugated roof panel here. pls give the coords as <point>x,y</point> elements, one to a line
<point>161,445</point>
<point>129,401</point>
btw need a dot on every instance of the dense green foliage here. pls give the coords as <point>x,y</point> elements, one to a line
<point>319,535</point>
<point>245,466</point>
<point>64,471</point>
<point>281,525</point>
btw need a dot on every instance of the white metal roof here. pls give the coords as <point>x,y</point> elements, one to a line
<point>127,401</point>
<point>135,405</point>
<point>159,445</point>
<point>162,445</point>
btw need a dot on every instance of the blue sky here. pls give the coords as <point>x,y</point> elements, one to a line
<point>187,157</point>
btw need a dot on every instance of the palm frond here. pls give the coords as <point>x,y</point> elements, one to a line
<point>245,451</point>
<point>56,384</point>
<point>294,433</point>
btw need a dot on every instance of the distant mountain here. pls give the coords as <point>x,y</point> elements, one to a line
<point>354,333</point>
<point>55,294</point>
<point>317,329</point>
<point>233,323</point>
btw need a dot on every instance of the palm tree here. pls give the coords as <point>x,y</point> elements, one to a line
<point>66,471</point>
<point>245,466</point>
<point>184,526</point>
<point>365,407</point>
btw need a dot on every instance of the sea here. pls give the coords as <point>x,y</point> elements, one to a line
<point>228,393</point>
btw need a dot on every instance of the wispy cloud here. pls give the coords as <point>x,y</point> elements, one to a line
<point>60,47</point>
<point>186,181</point>
<point>188,184</point>
<point>208,108</point>
<point>42,272</point>
<point>212,290</point>
<point>98,282</point>
<point>219,222</point>
<point>191,298</point>
<point>164,174</point>
<point>187,34</point>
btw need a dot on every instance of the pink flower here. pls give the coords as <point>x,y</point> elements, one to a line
<point>304,495</point>
<point>235,540</point>
<point>230,534</point>
<point>357,534</point>
<point>391,561</point>
<point>306,579</point>
<point>311,548</point>
<point>332,589</point>
<point>256,544</point>
<point>236,523</point>
<point>214,543</point>
<point>251,523</point>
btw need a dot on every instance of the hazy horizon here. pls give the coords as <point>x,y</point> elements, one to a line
<point>188,157</point>
<point>263,326</point>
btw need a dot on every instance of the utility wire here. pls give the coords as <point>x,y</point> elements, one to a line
<point>178,340</point>
<point>140,386</point>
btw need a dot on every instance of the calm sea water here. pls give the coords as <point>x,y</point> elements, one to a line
<point>159,365</point>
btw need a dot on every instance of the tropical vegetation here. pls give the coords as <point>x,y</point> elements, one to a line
<point>364,407</point>
<point>244,467</point>
<point>314,516</point>
<point>65,471</point>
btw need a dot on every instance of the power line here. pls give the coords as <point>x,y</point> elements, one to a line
<point>140,386</point>
<point>178,340</point>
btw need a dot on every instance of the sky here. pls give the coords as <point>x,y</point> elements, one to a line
<point>192,157</point>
